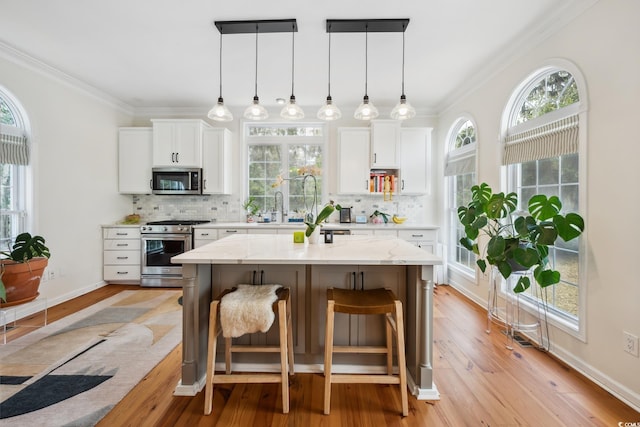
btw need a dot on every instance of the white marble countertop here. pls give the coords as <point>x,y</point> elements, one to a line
<point>280,249</point>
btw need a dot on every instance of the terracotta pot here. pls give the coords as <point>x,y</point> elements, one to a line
<point>22,280</point>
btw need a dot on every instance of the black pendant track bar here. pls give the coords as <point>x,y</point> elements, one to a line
<point>367,25</point>
<point>260,26</point>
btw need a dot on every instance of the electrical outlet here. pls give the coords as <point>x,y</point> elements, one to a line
<point>52,275</point>
<point>630,343</point>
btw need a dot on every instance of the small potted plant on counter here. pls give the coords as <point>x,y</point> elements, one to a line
<point>251,207</point>
<point>313,227</point>
<point>521,243</point>
<point>22,269</point>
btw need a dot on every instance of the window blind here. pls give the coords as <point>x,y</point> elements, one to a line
<point>461,161</point>
<point>14,146</point>
<point>549,140</point>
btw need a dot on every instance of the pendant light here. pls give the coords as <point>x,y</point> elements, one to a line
<point>220,112</point>
<point>403,110</point>
<point>255,111</point>
<point>366,110</point>
<point>292,111</point>
<point>329,111</point>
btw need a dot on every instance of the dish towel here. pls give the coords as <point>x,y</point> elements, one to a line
<point>248,309</point>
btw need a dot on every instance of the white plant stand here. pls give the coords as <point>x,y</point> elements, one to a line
<point>15,316</point>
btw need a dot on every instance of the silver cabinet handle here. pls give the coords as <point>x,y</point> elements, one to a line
<point>123,272</point>
<point>177,161</point>
<point>231,231</point>
<point>122,234</point>
<point>204,184</point>
<point>402,188</point>
<point>417,235</point>
<point>204,234</point>
<point>122,257</point>
<point>122,244</point>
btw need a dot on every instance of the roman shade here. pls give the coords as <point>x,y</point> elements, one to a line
<point>461,161</point>
<point>14,146</point>
<point>549,140</point>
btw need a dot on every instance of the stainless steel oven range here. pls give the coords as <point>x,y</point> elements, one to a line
<point>161,240</point>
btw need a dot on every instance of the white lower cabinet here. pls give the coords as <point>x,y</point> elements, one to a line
<point>121,254</point>
<point>352,329</point>
<point>426,239</point>
<point>291,276</point>
<point>202,236</point>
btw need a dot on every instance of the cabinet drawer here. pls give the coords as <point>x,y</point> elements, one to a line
<point>418,234</point>
<point>205,233</point>
<point>223,232</point>
<point>123,272</point>
<point>122,257</point>
<point>121,245</point>
<point>393,233</point>
<point>121,233</point>
<point>201,242</point>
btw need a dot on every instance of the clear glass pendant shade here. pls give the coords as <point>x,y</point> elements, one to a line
<point>403,110</point>
<point>366,110</point>
<point>292,111</point>
<point>220,112</point>
<point>255,111</point>
<point>329,111</point>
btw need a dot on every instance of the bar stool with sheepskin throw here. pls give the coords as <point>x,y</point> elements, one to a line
<point>373,301</point>
<point>247,309</point>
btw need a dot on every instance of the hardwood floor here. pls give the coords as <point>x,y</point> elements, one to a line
<point>481,383</point>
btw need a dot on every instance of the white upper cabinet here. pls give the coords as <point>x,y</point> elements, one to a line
<point>415,160</point>
<point>216,161</point>
<point>385,144</point>
<point>134,160</point>
<point>353,160</point>
<point>177,143</point>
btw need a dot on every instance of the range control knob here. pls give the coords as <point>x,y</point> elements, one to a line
<point>165,229</point>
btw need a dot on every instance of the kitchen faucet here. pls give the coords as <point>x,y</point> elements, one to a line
<point>275,204</point>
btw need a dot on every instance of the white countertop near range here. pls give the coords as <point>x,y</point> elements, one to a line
<point>280,249</point>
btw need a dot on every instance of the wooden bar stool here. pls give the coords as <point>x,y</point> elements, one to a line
<point>374,301</point>
<point>282,309</point>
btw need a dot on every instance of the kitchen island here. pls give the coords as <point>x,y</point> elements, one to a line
<point>350,261</point>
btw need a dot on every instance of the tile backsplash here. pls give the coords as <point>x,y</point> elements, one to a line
<point>221,208</point>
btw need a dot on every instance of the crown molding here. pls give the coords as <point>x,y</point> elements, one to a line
<point>517,48</point>
<point>18,57</point>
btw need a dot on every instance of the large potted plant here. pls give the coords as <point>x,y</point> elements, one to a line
<point>21,269</point>
<point>516,241</point>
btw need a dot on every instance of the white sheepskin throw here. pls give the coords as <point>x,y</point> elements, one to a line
<point>247,310</point>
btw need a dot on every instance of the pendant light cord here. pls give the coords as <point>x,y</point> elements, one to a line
<point>329,73</point>
<point>403,30</point>
<point>256,83</point>
<point>220,65</point>
<point>293,55</point>
<point>366,58</point>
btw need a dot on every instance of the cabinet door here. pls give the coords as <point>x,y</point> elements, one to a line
<point>353,161</point>
<point>385,149</point>
<point>216,161</point>
<point>188,144</point>
<point>134,160</point>
<point>177,143</point>
<point>164,150</point>
<point>415,165</point>
<point>291,276</point>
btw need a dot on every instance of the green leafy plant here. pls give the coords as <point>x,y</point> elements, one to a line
<point>516,241</point>
<point>251,206</point>
<point>24,248</point>
<point>322,216</point>
<point>384,215</point>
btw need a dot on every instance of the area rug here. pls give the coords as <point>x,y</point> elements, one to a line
<point>74,371</point>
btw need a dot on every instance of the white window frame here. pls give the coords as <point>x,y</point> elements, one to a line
<point>22,191</point>
<point>574,328</point>
<point>453,153</point>
<point>284,141</point>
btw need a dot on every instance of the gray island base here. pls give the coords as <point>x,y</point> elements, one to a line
<point>361,262</point>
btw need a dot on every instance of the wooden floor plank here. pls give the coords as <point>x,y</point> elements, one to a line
<point>481,384</point>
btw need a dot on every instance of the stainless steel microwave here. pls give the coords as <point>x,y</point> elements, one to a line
<point>176,181</point>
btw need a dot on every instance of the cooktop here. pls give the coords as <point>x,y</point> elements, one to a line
<point>179,222</point>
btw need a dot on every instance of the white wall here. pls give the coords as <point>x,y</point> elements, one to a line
<point>603,43</point>
<point>75,173</point>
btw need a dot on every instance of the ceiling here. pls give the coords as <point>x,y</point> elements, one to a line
<point>164,54</point>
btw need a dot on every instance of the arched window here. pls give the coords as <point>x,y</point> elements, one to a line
<point>543,129</point>
<point>460,170</point>
<point>14,158</point>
